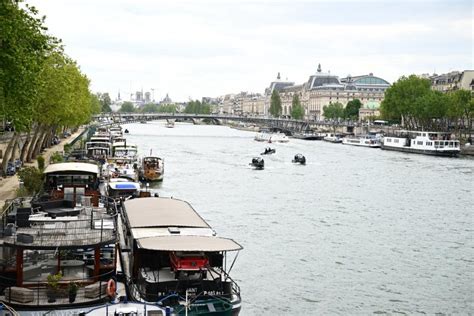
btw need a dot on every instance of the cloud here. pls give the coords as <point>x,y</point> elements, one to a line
<point>211,47</point>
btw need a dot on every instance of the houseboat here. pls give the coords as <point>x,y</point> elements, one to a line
<point>57,254</point>
<point>170,255</point>
<point>308,136</point>
<point>428,143</point>
<point>333,138</point>
<point>152,169</point>
<point>72,180</point>
<point>372,141</point>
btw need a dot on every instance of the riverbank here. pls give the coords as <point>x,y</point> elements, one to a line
<point>10,185</point>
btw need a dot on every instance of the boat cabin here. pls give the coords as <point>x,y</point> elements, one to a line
<point>72,180</point>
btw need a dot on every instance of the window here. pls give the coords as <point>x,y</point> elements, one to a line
<point>389,140</point>
<point>396,140</point>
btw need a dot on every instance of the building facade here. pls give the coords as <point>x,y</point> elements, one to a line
<point>322,89</point>
<point>453,80</point>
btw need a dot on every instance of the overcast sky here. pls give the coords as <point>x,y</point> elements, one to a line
<point>214,47</point>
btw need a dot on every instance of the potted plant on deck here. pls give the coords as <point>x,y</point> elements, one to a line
<point>53,286</point>
<point>72,290</point>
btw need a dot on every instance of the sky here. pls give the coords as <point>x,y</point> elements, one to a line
<point>208,48</point>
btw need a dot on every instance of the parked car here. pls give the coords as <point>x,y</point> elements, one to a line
<point>11,170</point>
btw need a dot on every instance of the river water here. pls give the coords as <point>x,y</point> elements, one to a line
<point>355,231</point>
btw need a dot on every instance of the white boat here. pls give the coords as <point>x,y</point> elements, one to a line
<point>428,143</point>
<point>121,167</point>
<point>370,140</point>
<point>333,138</point>
<point>122,187</point>
<point>271,137</point>
<point>169,124</point>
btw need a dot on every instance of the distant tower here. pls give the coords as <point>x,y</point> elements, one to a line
<point>278,76</point>
<point>319,67</point>
<point>119,95</point>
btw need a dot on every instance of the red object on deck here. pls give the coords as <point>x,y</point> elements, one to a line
<point>188,261</point>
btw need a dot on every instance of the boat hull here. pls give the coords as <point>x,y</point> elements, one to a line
<point>446,153</point>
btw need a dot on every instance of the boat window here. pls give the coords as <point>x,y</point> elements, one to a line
<point>396,140</point>
<point>429,143</point>
<point>419,142</point>
<point>389,140</point>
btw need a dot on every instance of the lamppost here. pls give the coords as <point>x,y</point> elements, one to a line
<point>153,94</point>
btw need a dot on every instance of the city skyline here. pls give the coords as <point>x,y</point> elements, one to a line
<point>195,50</point>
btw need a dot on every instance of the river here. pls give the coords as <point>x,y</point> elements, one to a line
<point>355,231</point>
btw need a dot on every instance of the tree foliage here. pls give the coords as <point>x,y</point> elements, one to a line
<point>105,102</point>
<point>275,104</point>
<point>127,107</point>
<point>352,109</point>
<point>333,111</point>
<point>412,101</point>
<point>32,179</point>
<point>42,91</point>
<point>297,110</point>
<point>196,107</point>
<point>155,108</point>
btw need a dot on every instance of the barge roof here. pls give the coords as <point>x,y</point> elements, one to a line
<point>189,243</point>
<point>162,212</point>
<point>72,166</point>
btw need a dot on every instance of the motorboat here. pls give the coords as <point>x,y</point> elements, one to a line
<point>268,151</point>
<point>173,258</point>
<point>333,138</point>
<point>258,163</point>
<point>122,188</point>
<point>299,158</point>
<point>423,142</point>
<point>169,124</point>
<point>152,169</point>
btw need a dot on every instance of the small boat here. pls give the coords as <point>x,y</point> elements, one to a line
<point>333,138</point>
<point>299,158</point>
<point>142,121</point>
<point>268,151</point>
<point>258,163</point>
<point>169,124</point>
<point>153,169</point>
<point>126,131</point>
<point>421,142</point>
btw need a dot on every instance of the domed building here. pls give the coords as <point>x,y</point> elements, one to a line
<point>324,88</point>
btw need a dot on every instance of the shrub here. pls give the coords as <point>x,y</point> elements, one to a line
<point>32,179</point>
<point>56,157</point>
<point>40,160</point>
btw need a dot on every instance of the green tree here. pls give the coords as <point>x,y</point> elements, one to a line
<point>333,111</point>
<point>127,107</point>
<point>96,106</point>
<point>461,110</point>
<point>196,107</point>
<point>275,104</point>
<point>149,108</point>
<point>352,109</point>
<point>105,102</point>
<point>401,99</point>
<point>297,110</point>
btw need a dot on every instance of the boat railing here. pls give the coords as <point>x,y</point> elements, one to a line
<point>235,286</point>
<point>34,294</point>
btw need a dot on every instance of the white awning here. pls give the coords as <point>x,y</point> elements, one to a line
<point>189,243</point>
<point>72,167</point>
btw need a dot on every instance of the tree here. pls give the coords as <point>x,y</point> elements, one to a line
<point>297,111</point>
<point>352,109</point>
<point>127,107</point>
<point>333,111</point>
<point>275,104</point>
<point>196,107</point>
<point>105,102</point>
<point>400,100</point>
<point>461,110</point>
